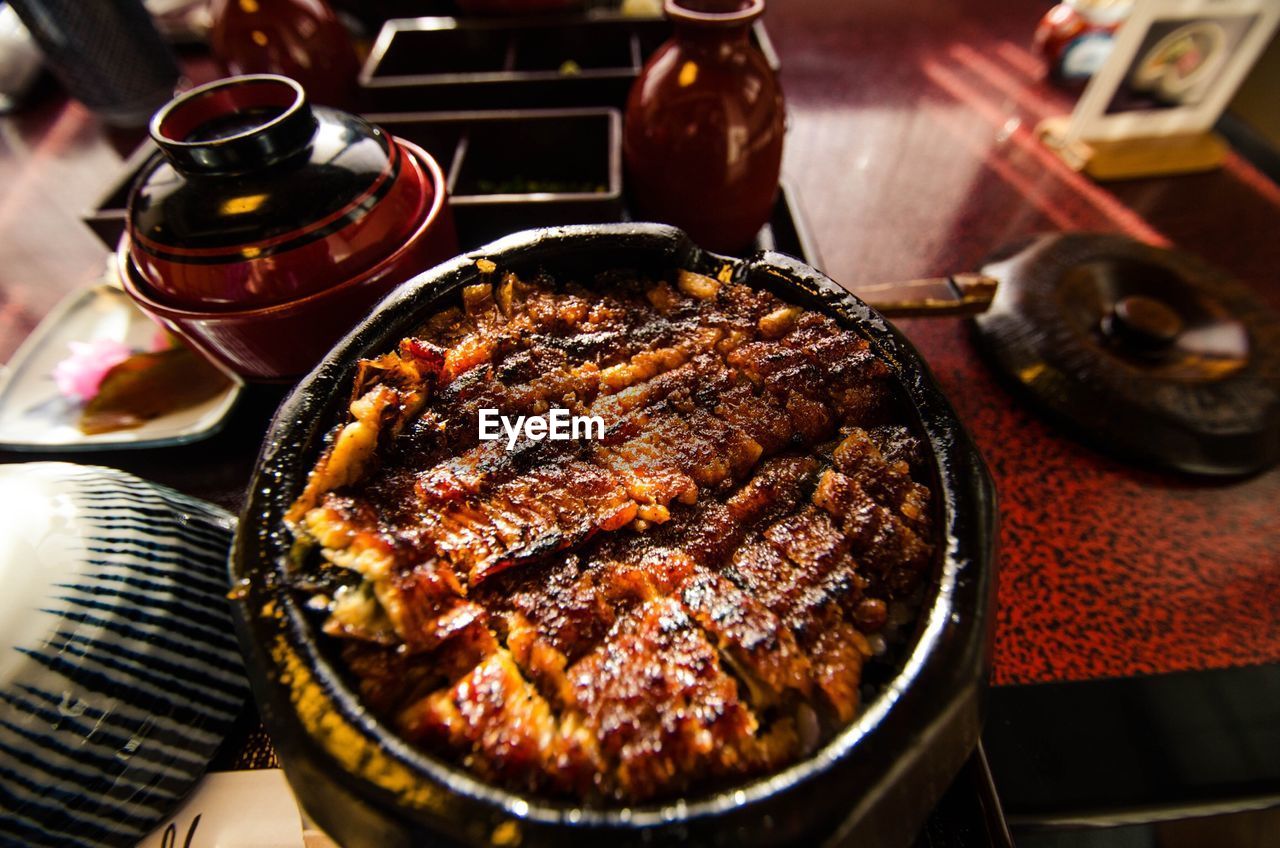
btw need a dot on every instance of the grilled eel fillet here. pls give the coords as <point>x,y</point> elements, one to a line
<point>682,603</point>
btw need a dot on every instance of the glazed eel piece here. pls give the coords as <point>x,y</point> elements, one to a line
<point>683,603</point>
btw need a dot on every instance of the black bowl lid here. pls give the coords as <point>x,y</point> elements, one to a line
<point>1146,352</point>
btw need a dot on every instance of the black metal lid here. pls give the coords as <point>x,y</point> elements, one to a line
<point>1147,353</point>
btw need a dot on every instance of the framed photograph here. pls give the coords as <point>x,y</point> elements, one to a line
<point>1173,69</point>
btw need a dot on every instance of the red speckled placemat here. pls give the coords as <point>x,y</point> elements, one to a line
<point>1105,570</point>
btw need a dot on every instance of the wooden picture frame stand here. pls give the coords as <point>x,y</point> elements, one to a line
<point>1130,158</point>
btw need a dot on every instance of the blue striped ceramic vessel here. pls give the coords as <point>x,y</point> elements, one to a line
<point>119,670</point>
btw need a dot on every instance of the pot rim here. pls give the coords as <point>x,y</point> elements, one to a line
<point>149,301</point>
<point>944,651</point>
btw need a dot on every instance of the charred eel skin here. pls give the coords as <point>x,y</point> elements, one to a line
<point>684,603</point>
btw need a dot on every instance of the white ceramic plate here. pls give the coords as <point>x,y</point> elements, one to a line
<point>34,416</point>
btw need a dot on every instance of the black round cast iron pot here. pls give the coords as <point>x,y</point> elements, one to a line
<point>874,783</point>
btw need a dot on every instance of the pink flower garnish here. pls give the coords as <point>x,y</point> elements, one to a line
<point>160,340</point>
<point>79,376</point>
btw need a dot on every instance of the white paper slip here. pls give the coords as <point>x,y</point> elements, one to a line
<point>234,809</point>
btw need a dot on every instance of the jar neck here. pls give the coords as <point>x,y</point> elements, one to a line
<point>713,22</point>
<point>712,36</point>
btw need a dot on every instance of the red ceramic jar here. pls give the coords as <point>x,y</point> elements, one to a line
<point>704,127</point>
<point>301,39</point>
<point>269,228</point>
<point>1075,38</point>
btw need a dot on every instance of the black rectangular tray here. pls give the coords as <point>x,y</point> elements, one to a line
<point>442,63</point>
<point>511,170</point>
<point>107,217</point>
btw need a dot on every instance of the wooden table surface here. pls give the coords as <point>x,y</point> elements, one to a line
<point>912,149</point>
